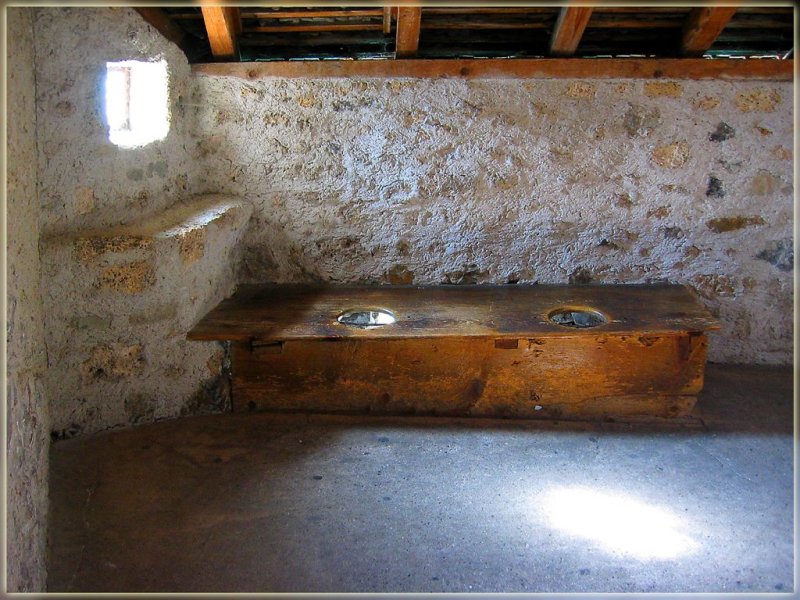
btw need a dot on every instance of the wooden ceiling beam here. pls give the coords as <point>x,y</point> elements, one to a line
<point>162,22</point>
<point>569,28</point>
<point>520,68</point>
<point>408,25</point>
<point>387,20</point>
<point>223,24</point>
<point>702,27</point>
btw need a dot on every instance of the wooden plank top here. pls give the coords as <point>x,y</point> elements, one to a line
<point>511,68</point>
<point>302,312</point>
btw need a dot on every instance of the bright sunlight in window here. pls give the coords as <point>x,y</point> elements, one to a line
<point>137,102</point>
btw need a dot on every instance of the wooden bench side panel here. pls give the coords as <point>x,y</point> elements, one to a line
<point>587,376</point>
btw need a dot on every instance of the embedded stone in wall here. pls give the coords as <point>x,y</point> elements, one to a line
<point>639,122</point>
<point>710,286</point>
<point>764,184</point>
<point>580,89</point>
<point>86,249</point>
<point>663,88</point>
<point>658,213</point>
<point>779,253</point>
<point>515,276</point>
<point>726,224</point>
<point>671,188</point>
<point>467,275</point>
<point>64,109</point>
<point>307,101</point>
<point>84,200</point>
<point>192,245</point>
<point>581,275</point>
<point>399,275</point>
<point>130,278</point>
<point>782,153</point>
<point>758,100</point>
<point>113,361</point>
<point>715,189</point>
<point>671,156</point>
<point>722,132</point>
<point>691,252</point>
<point>706,103</point>
<point>623,200</point>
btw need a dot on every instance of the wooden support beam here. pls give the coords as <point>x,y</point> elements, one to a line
<point>702,27</point>
<point>408,22</point>
<point>387,20</point>
<point>518,68</point>
<point>162,22</point>
<point>222,25</point>
<point>568,30</point>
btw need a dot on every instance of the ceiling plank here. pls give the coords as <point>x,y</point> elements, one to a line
<point>543,68</point>
<point>408,23</point>
<point>331,27</point>
<point>702,27</point>
<point>162,22</point>
<point>569,29</point>
<point>311,14</point>
<point>222,25</point>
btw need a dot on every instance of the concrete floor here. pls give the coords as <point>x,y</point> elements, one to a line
<point>346,504</point>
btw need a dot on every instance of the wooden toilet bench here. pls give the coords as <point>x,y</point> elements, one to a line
<point>541,351</point>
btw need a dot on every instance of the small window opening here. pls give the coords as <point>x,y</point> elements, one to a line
<point>137,102</point>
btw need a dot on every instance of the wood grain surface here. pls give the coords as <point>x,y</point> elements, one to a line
<point>301,312</point>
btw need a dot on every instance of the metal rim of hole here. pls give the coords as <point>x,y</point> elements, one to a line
<point>366,318</point>
<point>577,318</point>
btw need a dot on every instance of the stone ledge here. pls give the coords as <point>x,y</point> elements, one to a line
<point>179,221</point>
<point>119,302</point>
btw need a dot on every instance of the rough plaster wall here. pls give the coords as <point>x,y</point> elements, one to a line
<point>86,181</point>
<point>27,415</point>
<point>116,322</point>
<point>121,302</point>
<point>453,181</point>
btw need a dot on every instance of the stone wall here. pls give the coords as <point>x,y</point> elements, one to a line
<point>130,259</point>
<point>517,181</point>
<point>86,181</point>
<point>27,440</point>
<point>120,302</point>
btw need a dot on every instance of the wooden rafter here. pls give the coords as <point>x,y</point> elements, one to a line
<point>162,22</point>
<point>408,24</point>
<point>568,30</point>
<point>542,68</point>
<point>223,24</point>
<point>702,27</point>
<point>387,20</point>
